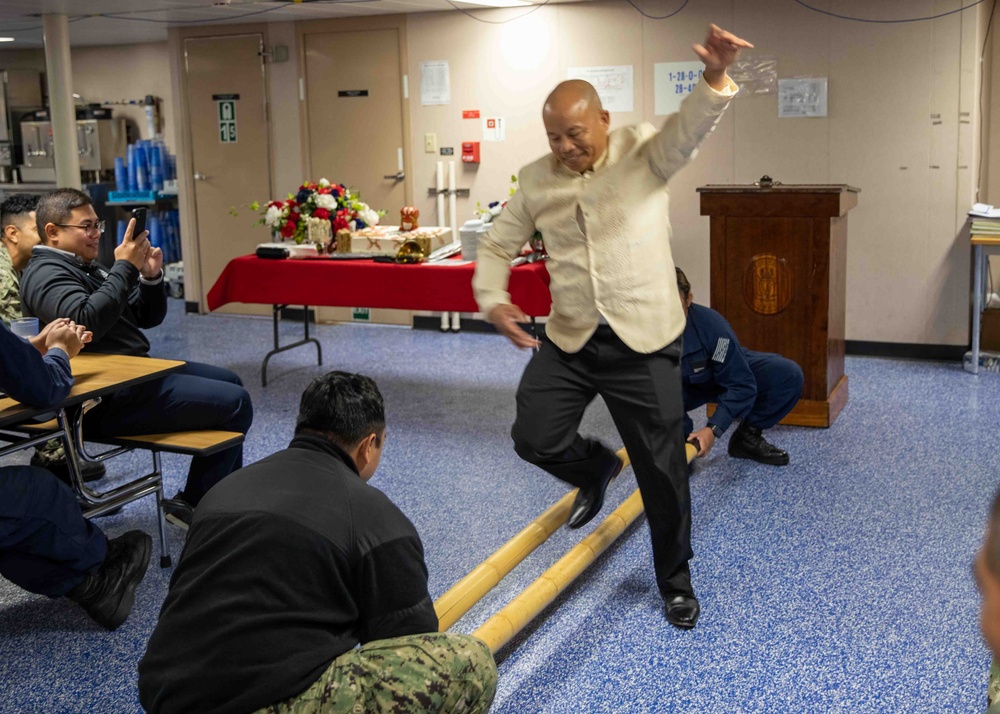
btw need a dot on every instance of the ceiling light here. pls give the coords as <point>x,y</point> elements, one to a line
<point>6,39</point>
<point>496,3</point>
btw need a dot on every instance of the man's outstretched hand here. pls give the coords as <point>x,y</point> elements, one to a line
<point>506,318</point>
<point>720,50</point>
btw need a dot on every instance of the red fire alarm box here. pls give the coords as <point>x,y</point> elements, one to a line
<point>470,152</point>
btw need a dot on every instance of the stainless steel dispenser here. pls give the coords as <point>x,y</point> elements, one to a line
<point>20,95</point>
<point>99,141</point>
<point>39,162</point>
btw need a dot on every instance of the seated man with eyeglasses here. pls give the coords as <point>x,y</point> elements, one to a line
<point>18,236</point>
<point>64,280</point>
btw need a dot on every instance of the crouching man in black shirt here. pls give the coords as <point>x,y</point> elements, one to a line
<point>292,562</point>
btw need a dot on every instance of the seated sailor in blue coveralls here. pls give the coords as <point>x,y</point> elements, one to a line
<point>757,388</point>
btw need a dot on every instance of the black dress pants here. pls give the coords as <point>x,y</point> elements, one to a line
<point>643,394</point>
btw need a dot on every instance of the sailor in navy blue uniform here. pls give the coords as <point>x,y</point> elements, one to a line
<point>757,388</point>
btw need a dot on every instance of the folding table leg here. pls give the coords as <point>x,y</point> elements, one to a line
<point>275,311</point>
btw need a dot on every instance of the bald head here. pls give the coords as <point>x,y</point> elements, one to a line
<point>571,92</point>
<point>576,124</point>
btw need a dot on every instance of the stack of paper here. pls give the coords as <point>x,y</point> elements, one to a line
<point>984,210</point>
<point>985,220</point>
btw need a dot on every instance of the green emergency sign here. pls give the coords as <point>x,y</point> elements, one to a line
<point>227,121</point>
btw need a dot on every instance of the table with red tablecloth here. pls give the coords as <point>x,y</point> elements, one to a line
<point>438,287</point>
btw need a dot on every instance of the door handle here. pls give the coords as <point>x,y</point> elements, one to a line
<point>398,176</point>
<point>198,176</point>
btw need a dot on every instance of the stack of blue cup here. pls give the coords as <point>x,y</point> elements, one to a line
<point>174,234</point>
<point>141,167</point>
<point>155,231</point>
<point>131,171</point>
<point>154,152</point>
<point>121,174</point>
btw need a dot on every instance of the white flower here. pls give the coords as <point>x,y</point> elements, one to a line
<point>495,211</point>
<point>368,215</point>
<point>275,217</point>
<point>327,201</point>
<point>324,183</point>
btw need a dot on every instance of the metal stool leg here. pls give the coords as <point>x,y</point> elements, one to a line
<point>165,561</point>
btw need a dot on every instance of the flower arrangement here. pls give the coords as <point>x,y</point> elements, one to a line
<point>323,202</point>
<point>535,248</point>
<point>486,215</point>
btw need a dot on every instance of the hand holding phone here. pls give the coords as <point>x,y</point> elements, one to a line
<point>139,214</point>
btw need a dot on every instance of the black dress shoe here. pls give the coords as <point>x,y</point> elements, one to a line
<point>748,442</point>
<point>108,595</point>
<point>682,611</point>
<point>91,471</point>
<point>178,511</point>
<point>590,499</point>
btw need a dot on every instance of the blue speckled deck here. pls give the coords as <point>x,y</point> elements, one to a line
<point>840,583</point>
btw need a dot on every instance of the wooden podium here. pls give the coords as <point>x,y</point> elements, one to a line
<point>779,267</point>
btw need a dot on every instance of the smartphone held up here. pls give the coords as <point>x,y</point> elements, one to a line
<point>139,214</point>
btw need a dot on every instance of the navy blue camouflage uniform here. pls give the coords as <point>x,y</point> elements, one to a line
<point>758,387</point>
<point>46,545</point>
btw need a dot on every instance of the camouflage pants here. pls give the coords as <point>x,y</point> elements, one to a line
<point>993,687</point>
<point>443,672</point>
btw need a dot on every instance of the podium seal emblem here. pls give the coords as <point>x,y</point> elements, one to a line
<point>767,284</point>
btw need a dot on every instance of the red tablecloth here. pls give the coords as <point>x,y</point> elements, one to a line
<point>364,283</point>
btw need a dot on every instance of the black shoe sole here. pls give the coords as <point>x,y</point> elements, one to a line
<point>128,597</point>
<point>681,624</point>
<point>780,461</point>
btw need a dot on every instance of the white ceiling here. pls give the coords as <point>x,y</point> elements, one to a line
<point>111,22</point>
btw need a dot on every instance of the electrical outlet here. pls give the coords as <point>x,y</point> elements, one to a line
<point>430,143</point>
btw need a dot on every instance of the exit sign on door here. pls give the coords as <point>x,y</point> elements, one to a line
<point>227,121</point>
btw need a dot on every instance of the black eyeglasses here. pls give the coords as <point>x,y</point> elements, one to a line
<point>88,228</point>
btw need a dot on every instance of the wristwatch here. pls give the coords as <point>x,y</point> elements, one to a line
<point>717,430</point>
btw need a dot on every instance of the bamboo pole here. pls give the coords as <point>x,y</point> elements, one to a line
<point>464,594</point>
<point>501,628</point>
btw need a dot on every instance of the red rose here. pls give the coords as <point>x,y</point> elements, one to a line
<point>291,202</point>
<point>339,223</point>
<point>275,204</point>
<point>288,230</point>
<point>324,190</point>
<point>321,213</point>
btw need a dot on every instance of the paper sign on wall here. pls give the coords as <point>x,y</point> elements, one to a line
<point>494,129</point>
<point>614,85</point>
<point>672,81</point>
<point>435,83</point>
<point>802,97</point>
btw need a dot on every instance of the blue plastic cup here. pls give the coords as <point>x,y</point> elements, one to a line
<point>24,326</point>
